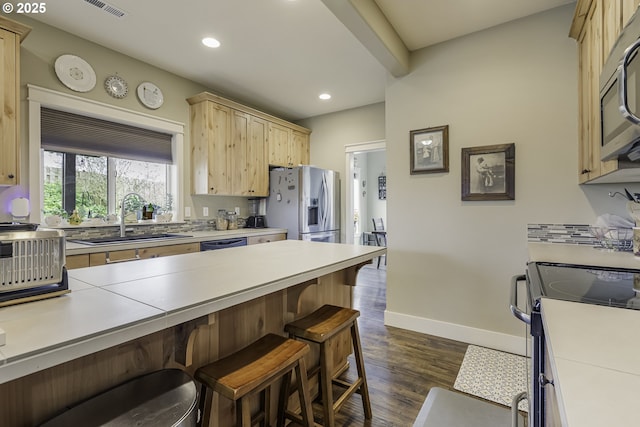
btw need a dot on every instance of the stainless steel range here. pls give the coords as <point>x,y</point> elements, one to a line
<point>32,263</point>
<point>613,287</point>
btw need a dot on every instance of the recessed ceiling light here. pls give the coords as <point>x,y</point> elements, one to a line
<point>324,96</point>
<point>210,42</point>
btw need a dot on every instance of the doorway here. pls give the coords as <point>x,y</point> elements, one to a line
<point>366,188</point>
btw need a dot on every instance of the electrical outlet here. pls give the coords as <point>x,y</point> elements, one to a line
<point>205,211</point>
<point>187,211</point>
<point>237,210</point>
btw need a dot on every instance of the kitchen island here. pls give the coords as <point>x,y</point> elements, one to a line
<point>123,320</point>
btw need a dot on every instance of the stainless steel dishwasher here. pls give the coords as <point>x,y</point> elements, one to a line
<point>213,245</point>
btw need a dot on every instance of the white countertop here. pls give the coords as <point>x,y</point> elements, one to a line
<point>112,304</point>
<point>594,353</point>
<point>594,350</point>
<point>192,237</point>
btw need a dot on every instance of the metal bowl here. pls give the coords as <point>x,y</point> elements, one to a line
<point>613,238</point>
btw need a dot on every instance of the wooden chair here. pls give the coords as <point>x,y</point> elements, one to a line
<point>320,327</point>
<point>381,236</point>
<point>254,369</point>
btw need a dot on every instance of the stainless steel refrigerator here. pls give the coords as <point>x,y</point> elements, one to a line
<point>306,201</point>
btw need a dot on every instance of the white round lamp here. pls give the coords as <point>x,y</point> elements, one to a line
<point>20,208</point>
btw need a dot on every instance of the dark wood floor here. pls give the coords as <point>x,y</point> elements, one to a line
<point>401,365</point>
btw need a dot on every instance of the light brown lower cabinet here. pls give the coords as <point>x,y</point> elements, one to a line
<point>77,261</point>
<point>159,251</point>
<point>109,257</point>
<point>254,240</point>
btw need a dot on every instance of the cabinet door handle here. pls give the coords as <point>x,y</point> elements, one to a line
<point>135,258</point>
<point>622,84</point>
<point>108,260</point>
<point>11,176</point>
<point>584,171</point>
<point>513,305</point>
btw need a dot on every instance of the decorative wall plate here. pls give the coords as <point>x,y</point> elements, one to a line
<point>75,73</point>
<point>116,86</point>
<point>150,95</point>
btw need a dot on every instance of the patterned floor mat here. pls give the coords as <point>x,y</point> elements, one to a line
<point>493,375</point>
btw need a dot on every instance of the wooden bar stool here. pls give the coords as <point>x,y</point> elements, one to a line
<point>254,369</point>
<point>320,327</point>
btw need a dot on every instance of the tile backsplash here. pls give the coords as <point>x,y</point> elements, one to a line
<point>107,231</point>
<point>577,234</point>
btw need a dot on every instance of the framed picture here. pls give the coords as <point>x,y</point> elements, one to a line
<point>429,150</point>
<point>382,187</point>
<point>488,172</point>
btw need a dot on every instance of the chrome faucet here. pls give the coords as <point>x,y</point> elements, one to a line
<point>123,231</point>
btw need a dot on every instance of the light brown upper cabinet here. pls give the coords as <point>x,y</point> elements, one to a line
<point>288,147</point>
<point>210,148</point>
<point>299,148</point>
<point>279,137</point>
<point>11,35</point>
<point>232,146</point>
<point>249,168</point>
<point>596,26</point>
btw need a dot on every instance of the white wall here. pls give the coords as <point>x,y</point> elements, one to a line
<point>361,194</point>
<point>450,262</point>
<point>376,208</point>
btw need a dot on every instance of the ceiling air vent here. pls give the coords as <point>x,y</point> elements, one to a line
<point>107,8</point>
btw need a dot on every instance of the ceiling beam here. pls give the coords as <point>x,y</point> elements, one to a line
<point>367,22</point>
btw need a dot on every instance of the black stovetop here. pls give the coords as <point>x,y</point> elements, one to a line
<point>614,287</point>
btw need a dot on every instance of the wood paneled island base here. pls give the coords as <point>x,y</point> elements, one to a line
<point>39,396</point>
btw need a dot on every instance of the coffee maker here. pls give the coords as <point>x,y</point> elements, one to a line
<point>257,212</point>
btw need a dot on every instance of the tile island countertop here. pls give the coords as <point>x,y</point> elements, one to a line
<point>111,304</point>
<point>594,350</point>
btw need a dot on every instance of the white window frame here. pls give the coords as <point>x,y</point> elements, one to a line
<point>40,97</point>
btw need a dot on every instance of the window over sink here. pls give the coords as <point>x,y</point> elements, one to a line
<point>95,185</point>
<point>94,173</point>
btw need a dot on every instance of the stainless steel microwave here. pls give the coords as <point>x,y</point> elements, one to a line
<point>620,96</point>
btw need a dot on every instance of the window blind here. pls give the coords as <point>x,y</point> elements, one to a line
<point>73,133</point>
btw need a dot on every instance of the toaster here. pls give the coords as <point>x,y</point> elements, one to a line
<point>32,264</point>
<point>257,221</point>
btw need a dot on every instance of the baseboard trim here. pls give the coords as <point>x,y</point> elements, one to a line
<point>482,337</point>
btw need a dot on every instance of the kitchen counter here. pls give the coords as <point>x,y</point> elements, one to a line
<point>594,359</point>
<point>193,237</point>
<point>593,350</point>
<point>115,303</point>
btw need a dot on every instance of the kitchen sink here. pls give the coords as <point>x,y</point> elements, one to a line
<point>127,239</point>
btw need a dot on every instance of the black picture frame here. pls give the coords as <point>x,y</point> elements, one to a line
<point>429,150</point>
<point>488,172</point>
<point>382,187</point>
